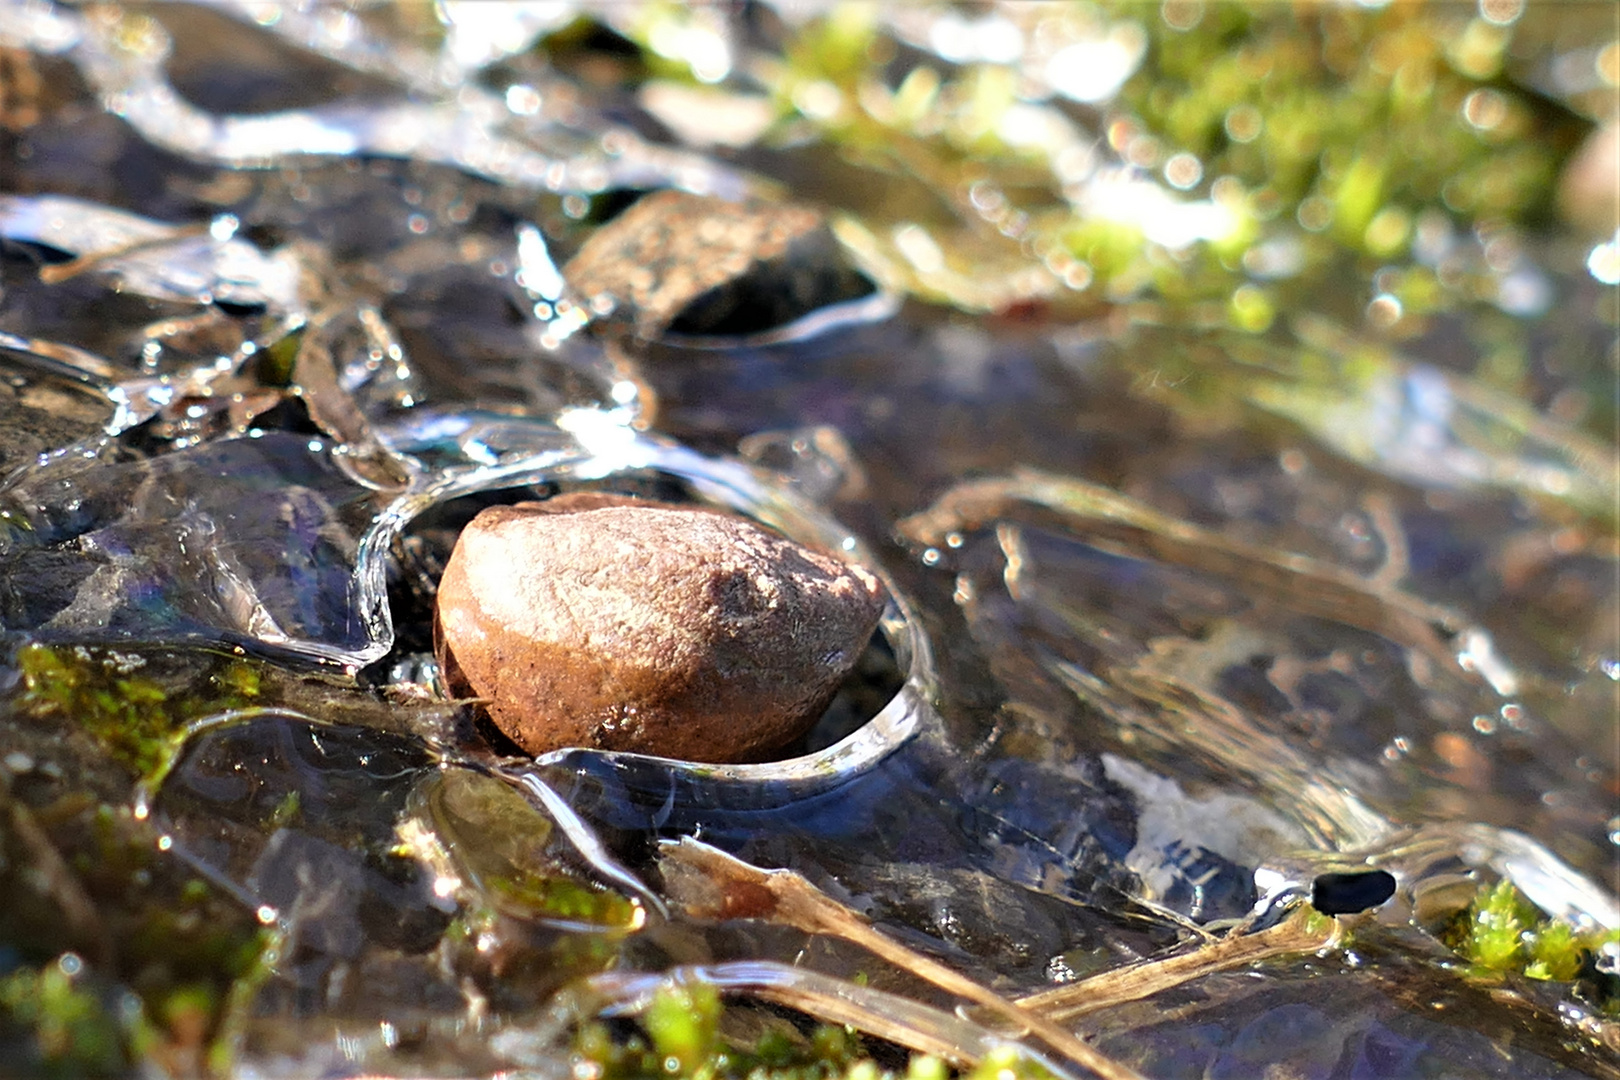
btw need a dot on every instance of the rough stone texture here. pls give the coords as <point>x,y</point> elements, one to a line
<point>700,265</point>
<point>600,621</point>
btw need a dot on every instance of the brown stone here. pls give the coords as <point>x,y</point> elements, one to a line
<point>599,621</point>
<point>1586,191</point>
<point>701,265</point>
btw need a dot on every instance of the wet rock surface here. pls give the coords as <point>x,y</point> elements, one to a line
<point>1247,503</point>
<point>623,624</point>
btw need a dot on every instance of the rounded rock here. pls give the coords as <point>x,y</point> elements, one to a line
<point>615,623</point>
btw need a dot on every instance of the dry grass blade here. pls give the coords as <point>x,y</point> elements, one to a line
<point>901,1021</point>
<point>725,887</point>
<point>56,273</point>
<point>1301,932</point>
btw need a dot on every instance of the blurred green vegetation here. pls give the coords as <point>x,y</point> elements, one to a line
<point>1378,115</point>
<point>182,971</point>
<point>73,1031</point>
<point>1386,167</point>
<point>1345,125</point>
<point>1337,153</point>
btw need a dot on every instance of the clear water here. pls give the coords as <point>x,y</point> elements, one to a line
<point>1154,664</point>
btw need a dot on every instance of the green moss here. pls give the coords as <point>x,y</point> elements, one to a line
<point>14,525</point>
<point>1555,954</point>
<point>184,951</point>
<point>194,962</point>
<point>287,811</point>
<point>1498,922</point>
<point>133,716</point>
<point>188,946</point>
<point>558,897</point>
<point>1006,1063</point>
<point>1318,925</point>
<point>683,1023</point>
<point>839,48</point>
<point>124,713</point>
<point>1251,309</point>
<point>252,965</point>
<point>180,951</point>
<point>1352,124</point>
<point>1110,248</point>
<point>927,1067</point>
<point>238,680</point>
<point>1502,932</point>
<point>1319,101</point>
<point>680,1036</point>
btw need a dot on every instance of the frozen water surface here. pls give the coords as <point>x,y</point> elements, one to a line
<point>1185,634</point>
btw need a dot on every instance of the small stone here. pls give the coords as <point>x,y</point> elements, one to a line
<point>1586,191</point>
<point>695,264</point>
<point>621,624</point>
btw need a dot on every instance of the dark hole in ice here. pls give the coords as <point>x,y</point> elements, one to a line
<point>874,680</point>
<point>588,50</point>
<point>33,253</point>
<point>1346,894</point>
<point>811,274</point>
<point>607,205</point>
<point>265,235</point>
<point>290,415</point>
<point>1599,974</point>
<point>239,309</point>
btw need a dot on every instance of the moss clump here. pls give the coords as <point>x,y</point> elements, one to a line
<point>557,897</point>
<point>1003,1063</point>
<point>124,713</point>
<point>1368,112</point>
<point>1502,933</point>
<point>1555,953</point>
<point>133,716</point>
<point>680,1036</point>
<point>683,1023</point>
<point>174,955</point>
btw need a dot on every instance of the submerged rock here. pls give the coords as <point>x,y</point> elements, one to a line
<point>620,624</point>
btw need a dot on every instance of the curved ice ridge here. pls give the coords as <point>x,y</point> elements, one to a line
<point>592,444</point>
<point>1427,859</point>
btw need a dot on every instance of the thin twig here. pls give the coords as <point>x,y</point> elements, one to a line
<point>56,273</point>
<point>1300,933</point>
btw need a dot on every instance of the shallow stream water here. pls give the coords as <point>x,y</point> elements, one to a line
<point>1196,619</point>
